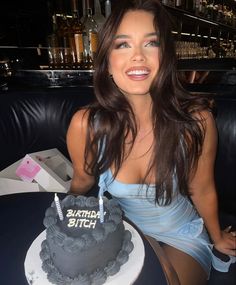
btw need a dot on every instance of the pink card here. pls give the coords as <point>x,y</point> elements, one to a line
<point>27,169</point>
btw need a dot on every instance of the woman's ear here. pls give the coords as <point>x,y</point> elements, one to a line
<point>109,70</point>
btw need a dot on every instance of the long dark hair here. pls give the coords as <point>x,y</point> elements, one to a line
<point>178,134</point>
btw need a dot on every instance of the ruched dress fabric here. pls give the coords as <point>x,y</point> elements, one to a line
<point>177,224</point>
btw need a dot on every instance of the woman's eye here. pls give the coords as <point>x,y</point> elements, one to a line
<point>154,43</point>
<point>121,45</point>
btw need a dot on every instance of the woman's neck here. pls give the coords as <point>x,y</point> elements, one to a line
<point>142,108</point>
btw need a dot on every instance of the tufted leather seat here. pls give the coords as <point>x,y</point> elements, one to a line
<point>225,170</point>
<point>225,174</point>
<point>36,120</point>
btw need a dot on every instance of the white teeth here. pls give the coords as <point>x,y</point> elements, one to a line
<point>137,72</point>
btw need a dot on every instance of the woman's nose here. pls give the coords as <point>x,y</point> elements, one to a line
<point>138,54</point>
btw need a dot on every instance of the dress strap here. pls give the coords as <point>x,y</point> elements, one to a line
<point>104,180</point>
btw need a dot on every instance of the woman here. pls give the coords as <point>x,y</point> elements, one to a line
<point>151,144</point>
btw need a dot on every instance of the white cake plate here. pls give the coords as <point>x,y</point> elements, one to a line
<point>128,273</point>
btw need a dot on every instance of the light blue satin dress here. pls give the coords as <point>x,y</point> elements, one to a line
<point>177,224</point>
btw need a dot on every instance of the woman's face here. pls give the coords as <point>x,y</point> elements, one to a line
<point>134,61</point>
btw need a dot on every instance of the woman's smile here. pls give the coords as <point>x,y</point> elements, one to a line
<point>138,73</point>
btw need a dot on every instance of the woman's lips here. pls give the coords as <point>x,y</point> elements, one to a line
<point>139,73</point>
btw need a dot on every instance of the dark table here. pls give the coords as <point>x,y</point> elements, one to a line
<point>21,221</point>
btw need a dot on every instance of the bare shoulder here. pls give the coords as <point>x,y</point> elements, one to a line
<point>204,115</point>
<point>76,144</point>
<point>210,131</point>
<point>202,179</point>
<point>207,120</point>
<point>77,130</point>
<point>79,120</point>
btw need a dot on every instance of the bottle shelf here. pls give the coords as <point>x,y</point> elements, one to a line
<point>203,20</point>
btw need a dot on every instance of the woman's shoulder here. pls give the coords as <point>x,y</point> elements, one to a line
<point>85,118</point>
<point>208,125</point>
<point>80,119</point>
<point>204,115</point>
<point>81,116</point>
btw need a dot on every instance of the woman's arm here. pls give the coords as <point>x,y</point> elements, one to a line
<point>202,189</point>
<point>76,141</point>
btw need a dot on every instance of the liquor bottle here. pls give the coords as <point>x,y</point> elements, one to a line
<point>215,12</point>
<point>222,50</point>
<point>165,2</point>
<point>230,51</point>
<point>107,8</point>
<point>220,14</point>
<point>90,37</point>
<point>54,55</point>
<point>60,12</point>
<point>209,9</point>
<point>202,8</point>
<point>179,4</point>
<point>197,6</point>
<point>65,41</point>
<point>76,36</point>
<point>63,33</point>
<point>190,5</point>
<point>171,3</point>
<point>226,15</point>
<point>98,17</point>
<point>85,5</point>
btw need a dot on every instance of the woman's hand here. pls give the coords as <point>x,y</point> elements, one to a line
<point>227,242</point>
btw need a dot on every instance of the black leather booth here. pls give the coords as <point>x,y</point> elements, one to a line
<point>35,120</point>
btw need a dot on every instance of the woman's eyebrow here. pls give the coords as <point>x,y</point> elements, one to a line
<point>151,34</point>
<point>123,36</point>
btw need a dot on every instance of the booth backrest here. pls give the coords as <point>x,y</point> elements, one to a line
<point>32,120</point>
<point>225,166</point>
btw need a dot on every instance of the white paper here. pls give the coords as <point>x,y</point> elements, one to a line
<point>11,186</point>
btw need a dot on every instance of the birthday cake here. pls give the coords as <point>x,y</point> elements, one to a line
<point>84,244</point>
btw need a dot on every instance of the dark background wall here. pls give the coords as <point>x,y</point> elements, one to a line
<point>26,23</point>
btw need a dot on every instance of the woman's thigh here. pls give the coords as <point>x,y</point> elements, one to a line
<point>187,268</point>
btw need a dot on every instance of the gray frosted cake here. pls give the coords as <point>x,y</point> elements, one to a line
<point>80,249</point>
